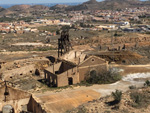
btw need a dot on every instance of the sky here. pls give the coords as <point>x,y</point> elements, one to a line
<point>39,1</point>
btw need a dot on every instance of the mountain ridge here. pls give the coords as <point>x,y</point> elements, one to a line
<point>18,9</point>
<point>89,5</point>
<point>109,5</point>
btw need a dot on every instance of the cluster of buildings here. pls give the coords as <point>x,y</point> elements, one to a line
<point>46,21</point>
<point>122,15</point>
<point>127,16</point>
<point>16,27</point>
<point>106,15</point>
<point>61,73</point>
<point>123,19</point>
<point>65,72</point>
<point>21,27</point>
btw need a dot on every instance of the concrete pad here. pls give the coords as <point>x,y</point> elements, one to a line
<point>63,101</point>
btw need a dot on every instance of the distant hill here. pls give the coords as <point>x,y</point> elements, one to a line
<point>6,12</point>
<point>119,4</point>
<point>18,9</point>
<point>109,4</point>
<point>38,8</point>
<point>58,7</point>
<point>1,9</point>
<point>89,5</point>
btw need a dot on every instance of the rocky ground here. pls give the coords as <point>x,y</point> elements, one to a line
<point>25,61</point>
<point>24,69</point>
<point>132,101</point>
<point>26,83</point>
<point>143,51</point>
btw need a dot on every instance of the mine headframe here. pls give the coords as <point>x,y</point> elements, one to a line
<point>64,44</point>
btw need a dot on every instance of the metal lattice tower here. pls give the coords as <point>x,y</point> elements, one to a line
<point>64,44</point>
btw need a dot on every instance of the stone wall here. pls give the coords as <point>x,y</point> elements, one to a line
<point>51,78</point>
<point>16,98</point>
<point>16,104</point>
<point>84,71</point>
<point>63,78</point>
<point>34,107</point>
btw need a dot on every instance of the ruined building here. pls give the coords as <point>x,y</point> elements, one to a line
<point>12,100</point>
<point>66,73</point>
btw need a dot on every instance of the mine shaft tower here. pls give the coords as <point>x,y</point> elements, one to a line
<point>64,44</point>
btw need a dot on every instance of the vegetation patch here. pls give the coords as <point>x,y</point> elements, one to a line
<point>132,87</point>
<point>140,99</point>
<point>105,77</point>
<point>147,83</point>
<point>7,19</point>
<point>44,49</point>
<point>81,109</point>
<point>48,28</point>
<point>117,95</point>
<point>26,19</point>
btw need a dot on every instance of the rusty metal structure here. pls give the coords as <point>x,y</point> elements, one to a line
<point>64,44</point>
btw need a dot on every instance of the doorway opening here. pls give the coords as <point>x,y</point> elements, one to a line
<point>70,81</point>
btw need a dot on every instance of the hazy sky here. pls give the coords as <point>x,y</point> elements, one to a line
<point>39,1</point>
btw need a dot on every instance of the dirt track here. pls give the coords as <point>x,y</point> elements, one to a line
<point>12,56</point>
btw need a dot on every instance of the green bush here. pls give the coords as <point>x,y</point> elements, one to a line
<point>140,99</point>
<point>104,77</point>
<point>147,83</point>
<point>117,95</point>
<point>132,87</point>
<point>137,99</point>
<point>82,110</point>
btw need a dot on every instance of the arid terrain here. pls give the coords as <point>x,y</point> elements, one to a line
<point>93,57</point>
